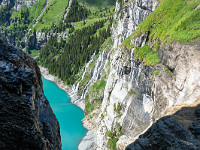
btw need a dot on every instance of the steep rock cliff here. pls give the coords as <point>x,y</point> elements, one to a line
<point>138,92</point>
<point>179,130</point>
<point>27,120</point>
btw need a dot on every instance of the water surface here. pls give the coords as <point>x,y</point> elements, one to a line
<point>68,115</point>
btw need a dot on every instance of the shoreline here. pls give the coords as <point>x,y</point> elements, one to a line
<point>61,85</point>
<point>88,141</point>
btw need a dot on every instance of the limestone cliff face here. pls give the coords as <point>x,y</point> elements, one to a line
<point>166,133</point>
<point>127,75</point>
<point>26,118</point>
<point>135,97</point>
<point>128,15</point>
<point>179,130</point>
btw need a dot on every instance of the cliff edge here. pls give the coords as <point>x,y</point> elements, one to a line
<point>26,118</point>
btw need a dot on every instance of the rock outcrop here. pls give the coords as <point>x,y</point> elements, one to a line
<point>17,4</point>
<point>136,95</point>
<point>26,118</point>
<point>177,131</point>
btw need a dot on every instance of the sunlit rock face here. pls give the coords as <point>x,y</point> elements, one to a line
<point>143,96</point>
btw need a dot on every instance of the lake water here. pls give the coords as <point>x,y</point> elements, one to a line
<point>68,115</point>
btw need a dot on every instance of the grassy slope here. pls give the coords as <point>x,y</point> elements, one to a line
<point>171,21</point>
<point>53,14</point>
<point>99,3</point>
<point>37,9</point>
<point>56,10</point>
<point>34,11</point>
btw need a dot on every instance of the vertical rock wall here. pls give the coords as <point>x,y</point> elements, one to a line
<point>141,96</point>
<point>26,118</point>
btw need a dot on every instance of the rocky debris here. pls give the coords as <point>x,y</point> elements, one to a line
<point>37,39</point>
<point>88,143</point>
<point>20,3</point>
<point>172,132</point>
<point>26,118</point>
<point>123,142</point>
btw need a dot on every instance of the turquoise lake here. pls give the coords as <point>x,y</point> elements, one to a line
<point>68,115</point>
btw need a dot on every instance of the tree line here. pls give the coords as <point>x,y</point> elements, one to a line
<point>65,58</point>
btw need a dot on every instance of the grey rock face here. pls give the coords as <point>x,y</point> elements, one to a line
<point>87,142</point>
<point>177,82</point>
<point>9,3</point>
<point>26,118</point>
<point>130,15</point>
<point>180,131</point>
<point>156,93</point>
<point>16,4</point>
<point>128,74</point>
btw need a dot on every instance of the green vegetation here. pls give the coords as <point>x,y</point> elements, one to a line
<point>101,3</point>
<point>168,71</point>
<point>127,43</point>
<point>86,23</point>
<point>36,10</point>
<point>98,85</point>
<point>114,136</point>
<point>87,33</point>
<point>73,54</point>
<point>85,80</point>
<point>53,14</point>
<point>102,116</point>
<point>34,53</point>
<point>155,73</point>
<point>16,29</point>
<point>112,143</point>
<point>118,108</point>
<point>119,128</point>
<point>80,16</point>
<point>146,55</point>
<point>172,21</point>
<point>115,21</point>
<point>5,14</point>
<point>109,134</point>
<point>107,44</point>
<point>94,91</point>
<point>16,24</point>
<point>131,92</point>
<point>105,26</point>
<point>90,107</point>
<point>91,66</point>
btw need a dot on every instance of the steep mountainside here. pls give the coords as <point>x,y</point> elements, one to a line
<point>135,75</point>
<point>133,83</point>
<point>30,25</point>
<point>26,118</point>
